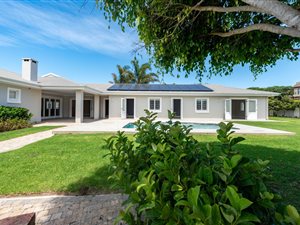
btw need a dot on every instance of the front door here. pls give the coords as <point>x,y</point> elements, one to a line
<point>129,108</point>
<point>238,109</point>
<point>177,108</point>
<point>106,114</point>
<point>87,108</point>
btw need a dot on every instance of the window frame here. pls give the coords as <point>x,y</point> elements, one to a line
<point>18,99</point>
<point>207,105</point>
<point>255,105</point>
<point>160,104</point>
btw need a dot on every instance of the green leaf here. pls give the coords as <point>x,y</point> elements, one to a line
<point>227,215</point>
<point>233,197</point>
<point>193,195</point>
<point>176,187</point>
<point>292,212</point>
<point>247,217</point>
<point>235,160</point>
<point>182,203</point>
<point>146,206</point>
<point>215,215</point>
<point>244,203</point>
<point>236,140</point>
<point>140,186</point>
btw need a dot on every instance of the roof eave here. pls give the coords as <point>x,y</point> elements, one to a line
<point>19,83</point>
<point>75,88</point>
<point>169,93</point>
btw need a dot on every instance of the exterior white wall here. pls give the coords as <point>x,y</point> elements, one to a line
<point>30,99</point>
<point>216,106</point>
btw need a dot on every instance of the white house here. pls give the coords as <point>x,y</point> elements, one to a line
<point>52,96</point>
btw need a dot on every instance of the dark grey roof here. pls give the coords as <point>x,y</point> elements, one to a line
<point>160,87</point>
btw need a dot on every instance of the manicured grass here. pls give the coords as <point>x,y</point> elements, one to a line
<point>70,163</point>
<point>25,131</point>
<point>63,163</point>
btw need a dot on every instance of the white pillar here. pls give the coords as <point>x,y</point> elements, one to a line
<point>79,107</point>
<point>96,107</point>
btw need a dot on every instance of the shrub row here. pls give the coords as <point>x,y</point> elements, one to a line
<point>13,124</point>
<point>7,112</point>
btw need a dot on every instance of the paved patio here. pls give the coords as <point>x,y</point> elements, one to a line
<point>114,125</point>
<point>65,210</point>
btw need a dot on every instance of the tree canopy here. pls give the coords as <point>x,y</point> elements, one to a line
<point>211,36</point>
<point>283,90</point>
<point>284,101</point>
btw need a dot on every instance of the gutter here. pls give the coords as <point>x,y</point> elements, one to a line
<point>192,94</point>
<point>18,82</point>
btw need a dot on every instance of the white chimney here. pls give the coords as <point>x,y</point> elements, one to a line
<point>29,69</point>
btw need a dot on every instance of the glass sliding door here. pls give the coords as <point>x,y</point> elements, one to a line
<point>51,107</point>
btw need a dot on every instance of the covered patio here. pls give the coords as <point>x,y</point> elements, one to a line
<point>64,99</point>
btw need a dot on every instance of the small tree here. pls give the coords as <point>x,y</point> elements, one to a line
<point>124,75</point>
<point>170,178</point>
<point>135,75</point>
<point>140,75</point>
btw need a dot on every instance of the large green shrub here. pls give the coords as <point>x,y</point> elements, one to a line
<point>7,112</point>
<point>13,118</point>
<point>170,178</point>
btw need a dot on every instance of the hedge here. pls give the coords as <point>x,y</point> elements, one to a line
<point>7,112</point>
<point>13,118</point>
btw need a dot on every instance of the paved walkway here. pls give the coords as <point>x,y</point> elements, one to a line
<point>19,142</point>
<point>65,210</point>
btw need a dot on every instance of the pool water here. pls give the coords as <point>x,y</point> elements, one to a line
<point>192,125</point>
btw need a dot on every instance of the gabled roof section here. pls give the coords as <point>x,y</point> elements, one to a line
<point>100,87</point>
<point>297,84</point>
<point>16,79</point>
<point>54,80</point>
<point>160,87</point>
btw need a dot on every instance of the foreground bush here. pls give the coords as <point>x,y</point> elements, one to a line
<point>7,112</point>
<point>171,179</point>
<point>13,124</point>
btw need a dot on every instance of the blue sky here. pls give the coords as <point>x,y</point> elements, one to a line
<point>72,39</point>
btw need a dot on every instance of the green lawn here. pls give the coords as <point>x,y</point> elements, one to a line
<point>70,163</point>
<point>25,131</point>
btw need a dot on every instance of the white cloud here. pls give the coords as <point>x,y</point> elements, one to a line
<point>47,24</point>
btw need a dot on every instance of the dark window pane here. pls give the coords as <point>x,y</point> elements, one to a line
<point>157,104</point>
<point>199,104</point>
<point>204,104</point>
<point>151,104</point>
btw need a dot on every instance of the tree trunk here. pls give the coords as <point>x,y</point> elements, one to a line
<point>285,13</point>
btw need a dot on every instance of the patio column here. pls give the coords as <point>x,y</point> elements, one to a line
<point>79,107</point>
<point>96,107</point>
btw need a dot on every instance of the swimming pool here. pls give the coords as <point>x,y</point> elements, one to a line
<point>213,126</point>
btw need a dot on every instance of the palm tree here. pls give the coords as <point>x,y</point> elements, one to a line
<point>124,75</point>
<point>139,74</point>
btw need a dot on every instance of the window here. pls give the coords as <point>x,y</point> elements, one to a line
<point>228,105</point>
<point>252,105</point>
<point>201,105</point>
<point>155,104</point>
<point>13,95</point>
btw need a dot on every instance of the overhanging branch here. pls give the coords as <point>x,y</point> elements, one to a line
<point>261,27</point>
<point>227,9</point>
<point>293,50</point>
